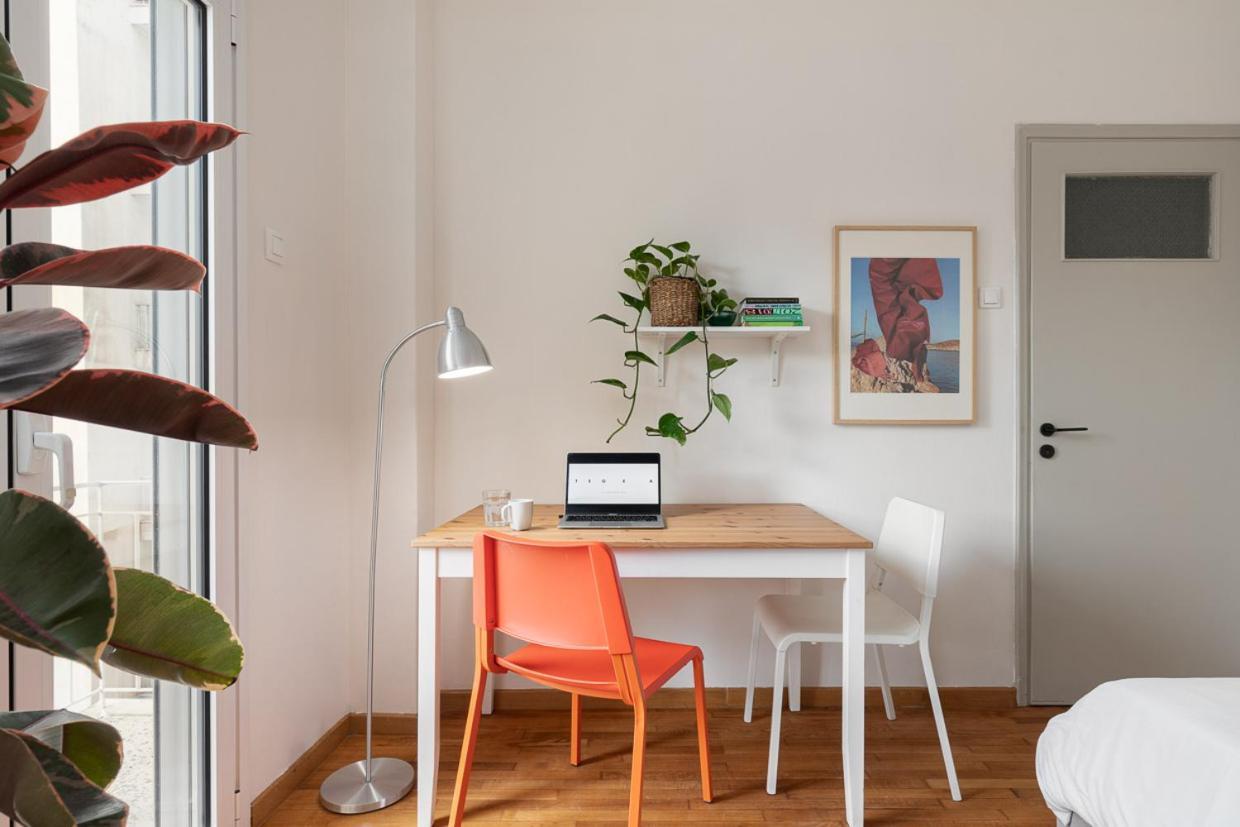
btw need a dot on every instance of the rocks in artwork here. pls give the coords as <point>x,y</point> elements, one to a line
<point>898,378</point>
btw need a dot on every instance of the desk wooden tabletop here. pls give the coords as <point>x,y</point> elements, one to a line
<point>731,525</point>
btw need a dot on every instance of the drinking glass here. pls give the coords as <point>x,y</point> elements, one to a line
<point>493,502</point>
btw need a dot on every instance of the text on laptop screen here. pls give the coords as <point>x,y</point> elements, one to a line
<point>591,483</point>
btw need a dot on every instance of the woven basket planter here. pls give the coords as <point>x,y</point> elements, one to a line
<point>673,302</point>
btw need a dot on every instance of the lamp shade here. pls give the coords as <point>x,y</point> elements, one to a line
<point>461,352</point>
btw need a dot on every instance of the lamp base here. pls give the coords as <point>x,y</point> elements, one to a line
<point>347,791</point>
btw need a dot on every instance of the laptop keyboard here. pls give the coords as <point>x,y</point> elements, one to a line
<point>611,518</point>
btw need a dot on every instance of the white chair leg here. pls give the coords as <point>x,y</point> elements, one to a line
<point>939,723</point>
<point>777,707</point>
<point>753,669</point>
<point>794,677</point>
<point>888,705</point>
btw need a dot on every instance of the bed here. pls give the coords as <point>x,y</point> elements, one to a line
<point>1146,752</point>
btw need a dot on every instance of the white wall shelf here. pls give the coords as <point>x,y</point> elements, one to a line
<point>667,336</point>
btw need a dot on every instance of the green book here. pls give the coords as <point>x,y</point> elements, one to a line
<point>769,317</point>
<point>781,323</point>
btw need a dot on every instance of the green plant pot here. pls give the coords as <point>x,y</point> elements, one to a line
<point>724,318</point>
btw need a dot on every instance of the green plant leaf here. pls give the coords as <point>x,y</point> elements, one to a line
<point>40,787</point>
<point>38,348</point>
<point>639,249</point>
<point>166,632</point>
<point>688,338</point>
<point>652,431</point>
<point>672,427</point>
<point>726,304</point>
<point>631,356</point>
<point>139,266</point>
<point>608,318</point>
<point>637,274</point>
<point>716,362</point>
<point>633,302</point>
<point>663,251</point>
<point>723,404</point>
<point>57,591</point>
<point>94,747</point>
<point>21,107</point>
<point>144,402</point>
<point>615,383</point>
<point>682,246</point>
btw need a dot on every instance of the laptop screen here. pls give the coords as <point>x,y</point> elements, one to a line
<point>612,483</point>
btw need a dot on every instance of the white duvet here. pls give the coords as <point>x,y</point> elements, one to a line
<point>1148,752</point>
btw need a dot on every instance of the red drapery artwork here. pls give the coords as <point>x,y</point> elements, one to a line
<point>899,286</point>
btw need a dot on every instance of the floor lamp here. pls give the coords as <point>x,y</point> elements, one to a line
<point>374,783</point>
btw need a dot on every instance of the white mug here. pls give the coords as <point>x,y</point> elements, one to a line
<point>519,514</point>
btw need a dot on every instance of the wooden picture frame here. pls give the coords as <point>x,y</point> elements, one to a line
<point>916,283</point>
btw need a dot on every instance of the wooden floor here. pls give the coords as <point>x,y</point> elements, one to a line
<point>522,772</point>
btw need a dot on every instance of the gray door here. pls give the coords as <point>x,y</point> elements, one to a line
<point>1134,333</point>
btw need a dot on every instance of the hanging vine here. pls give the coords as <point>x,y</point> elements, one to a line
<point>645,263</point>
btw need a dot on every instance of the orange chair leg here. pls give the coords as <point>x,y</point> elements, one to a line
<point>699,700</point>
<point>468,743</point>
<point>639,763</point>
<point>574,745</point>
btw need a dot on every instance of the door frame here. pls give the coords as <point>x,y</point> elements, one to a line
<point>226,239</point>
<point>1026,136</point>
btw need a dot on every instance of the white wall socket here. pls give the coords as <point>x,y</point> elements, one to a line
<point>274,250</point>
<point>990,297</point>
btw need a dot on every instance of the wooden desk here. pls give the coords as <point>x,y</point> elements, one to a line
<point>701,541</point>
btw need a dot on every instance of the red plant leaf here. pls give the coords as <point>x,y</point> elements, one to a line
<point>21,106</point>
<point>145,402</point>
<point>38,348</point>
<point>139,267</point>
<point>111,159</point>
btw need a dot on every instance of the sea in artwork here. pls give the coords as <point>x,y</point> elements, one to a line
<point>944,368</point>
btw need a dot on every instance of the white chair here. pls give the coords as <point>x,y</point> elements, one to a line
<point>909,547</point>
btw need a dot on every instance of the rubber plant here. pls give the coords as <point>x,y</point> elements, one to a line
<point>645,262</point>
<point>58,592</point>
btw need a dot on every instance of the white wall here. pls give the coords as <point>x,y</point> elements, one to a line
<point>519,150</point>
<point>389,265</point>
<point>567,132</point>
<point>295,516</point>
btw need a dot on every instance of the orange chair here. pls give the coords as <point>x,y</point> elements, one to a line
<point>564,601</point>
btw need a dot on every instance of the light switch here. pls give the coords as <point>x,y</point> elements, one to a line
<point>990,297</point>
<point>275,247</point>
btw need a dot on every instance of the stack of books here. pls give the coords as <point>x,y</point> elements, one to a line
<point>768,312</point>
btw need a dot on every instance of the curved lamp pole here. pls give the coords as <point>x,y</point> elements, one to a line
<point>374,783</point>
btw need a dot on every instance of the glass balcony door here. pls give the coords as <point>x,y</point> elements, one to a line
<point>144,498</point>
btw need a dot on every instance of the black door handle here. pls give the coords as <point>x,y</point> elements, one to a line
<point>1048,429</point>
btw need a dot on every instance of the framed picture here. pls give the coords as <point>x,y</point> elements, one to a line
<point>905,326</point>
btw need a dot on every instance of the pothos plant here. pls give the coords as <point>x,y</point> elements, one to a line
<point>58,591</point>
<point>645,263</point>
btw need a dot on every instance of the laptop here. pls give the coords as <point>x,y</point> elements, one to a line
<point>612,491</point>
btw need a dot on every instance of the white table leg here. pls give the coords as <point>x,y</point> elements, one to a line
<point>428,682</point>
<point>853,717</point>
<point>794,659</point>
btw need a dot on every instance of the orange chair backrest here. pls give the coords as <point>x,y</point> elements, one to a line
<point>565,595</point>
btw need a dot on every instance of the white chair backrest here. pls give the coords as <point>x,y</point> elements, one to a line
<point>910,544</point>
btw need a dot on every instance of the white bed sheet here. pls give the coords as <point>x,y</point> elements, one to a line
<point>1146,752</point>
